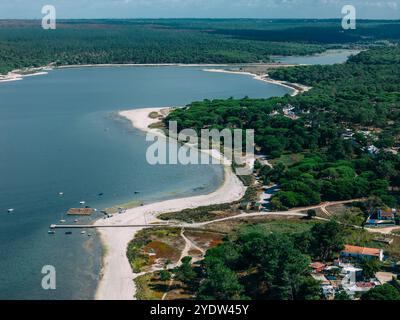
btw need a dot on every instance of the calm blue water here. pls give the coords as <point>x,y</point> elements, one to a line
<point>60,133</point>
<point>329,57</point>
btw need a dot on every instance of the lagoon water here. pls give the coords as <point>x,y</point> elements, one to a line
<point>327,58</point>
<point>60,133</point>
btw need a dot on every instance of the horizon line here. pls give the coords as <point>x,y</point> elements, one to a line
<point>206,18</point>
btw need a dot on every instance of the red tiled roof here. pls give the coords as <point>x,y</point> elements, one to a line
<point>317,265</point>
<point>387,214</point>
<point>365,284</point>
<point>362,250</point>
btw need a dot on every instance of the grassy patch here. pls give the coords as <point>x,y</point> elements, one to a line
<point>363,238</point>
<point>393,250</point>
<point>347,214</point>
<point>288,159</point>
<point>201,214</point>
<point>150,287</point>
<point>154,115</point>
<point>157,125</point>
<point>204,239</point>
<point>251,194</point>
<point>247,180</point>
<point>291,224</point>
<point>156,245</point>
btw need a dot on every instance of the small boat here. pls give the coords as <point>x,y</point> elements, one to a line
<point>76,220</point>
<point>10,210</point>
<point>82,202</point>
<point>68,232</point>
<point>137,192</point>
<point>61,193</point>
<point>51,232</point>
<point>83,232</point>
<point>101,194</point>
<point>89,235</point>
<point>63,221</point>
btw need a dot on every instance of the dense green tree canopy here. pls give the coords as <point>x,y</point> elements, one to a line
<point>384,292</point>
<point>361,96</point>
<point>270,267</point>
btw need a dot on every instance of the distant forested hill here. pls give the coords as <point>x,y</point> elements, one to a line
<point>25,44</point>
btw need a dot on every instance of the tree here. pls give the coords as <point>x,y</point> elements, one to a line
<point>311,214</point>
<point>221,283</point>
<point>281,266</point>
<point>165,275</point>
<point>384,292</point>
<point>327,240</point>
<point>342,295</point>
<point>310,289</point>
<point>185,272</point>
<point>370,267</point>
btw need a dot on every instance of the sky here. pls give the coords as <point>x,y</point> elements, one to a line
<point>368,9</point>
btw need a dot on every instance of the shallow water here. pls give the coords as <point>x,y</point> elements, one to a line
<point>326,58</point>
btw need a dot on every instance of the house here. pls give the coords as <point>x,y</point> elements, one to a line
<point>321,278</point>
<point>289,112</point>
<point>348,134</point>
<point>382,218</point>
<point>350,274</point>
<point>274,113</point>
<point>372,149</point>
<point>361,253</point>
<point>328,290</point>
<point>317,267</point>
<point>359,287</point>
<point>387,214</point>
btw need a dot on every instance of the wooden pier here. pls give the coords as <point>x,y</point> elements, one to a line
<point>91,226</point>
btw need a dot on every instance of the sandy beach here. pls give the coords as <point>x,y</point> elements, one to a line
<point>117,277</point>
<point>18,75</point>
<point>295,87</point>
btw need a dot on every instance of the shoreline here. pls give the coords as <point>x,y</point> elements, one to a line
<point>116,280</point>
<point>295,87</point>
<point>18,75</point>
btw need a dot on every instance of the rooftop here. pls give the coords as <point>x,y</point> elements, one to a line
<point>362,250</point>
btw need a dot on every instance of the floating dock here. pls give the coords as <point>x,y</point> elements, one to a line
<point>80,211</point>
